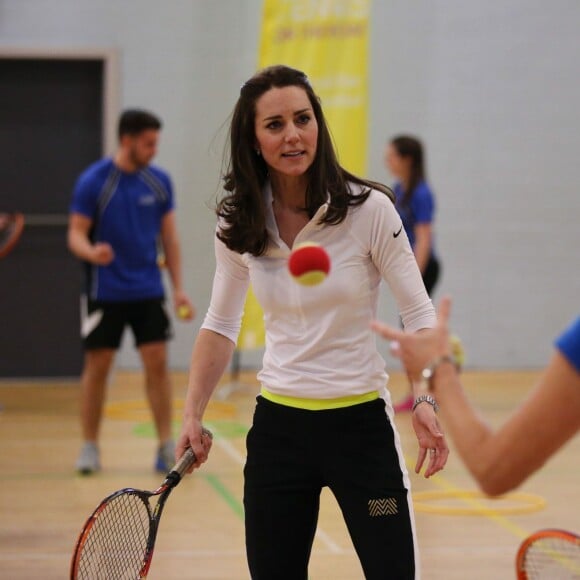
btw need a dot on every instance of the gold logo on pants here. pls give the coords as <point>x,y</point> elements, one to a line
<point>383,507</point>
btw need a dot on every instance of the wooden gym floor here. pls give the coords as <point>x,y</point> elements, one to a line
<point>43,503</point>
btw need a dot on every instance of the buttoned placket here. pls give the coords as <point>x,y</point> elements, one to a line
<point>277,248</point>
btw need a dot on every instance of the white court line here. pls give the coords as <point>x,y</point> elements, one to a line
<point>326,540</point>
<point>230,449</point>
<point>234,454</point>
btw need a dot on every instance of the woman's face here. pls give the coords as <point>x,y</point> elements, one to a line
<point>286,130</point>
<point>398,166</point>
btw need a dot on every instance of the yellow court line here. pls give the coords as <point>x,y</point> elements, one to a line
<point>483,510</point>
<point>138,410</point>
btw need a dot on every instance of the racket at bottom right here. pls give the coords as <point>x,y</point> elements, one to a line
<point>549,554</point>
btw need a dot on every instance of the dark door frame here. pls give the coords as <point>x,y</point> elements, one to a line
<point>110,87</point>
<point>111,79</point>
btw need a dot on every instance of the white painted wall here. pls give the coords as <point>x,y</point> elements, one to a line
<point>491,87</point>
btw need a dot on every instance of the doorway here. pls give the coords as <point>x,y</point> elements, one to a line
<point>53,123</point>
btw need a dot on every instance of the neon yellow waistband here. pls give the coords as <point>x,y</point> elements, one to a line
<point>318,404</point>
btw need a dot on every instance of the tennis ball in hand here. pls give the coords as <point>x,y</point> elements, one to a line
<point>457,350</point>
<point>309,264</point>
<point>184,312</point>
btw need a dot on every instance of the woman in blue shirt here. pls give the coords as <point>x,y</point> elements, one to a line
<point>415,202</point>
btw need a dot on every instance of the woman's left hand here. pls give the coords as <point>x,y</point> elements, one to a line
<point>431,440</point>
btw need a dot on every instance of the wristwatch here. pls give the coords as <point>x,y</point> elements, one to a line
<point>428,372</point>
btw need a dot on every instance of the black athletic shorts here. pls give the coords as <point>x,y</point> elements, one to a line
<point>103,323</point>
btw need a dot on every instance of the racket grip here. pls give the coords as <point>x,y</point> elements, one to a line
<point>185,462</point>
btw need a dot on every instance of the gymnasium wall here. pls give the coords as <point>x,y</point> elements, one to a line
<point>491,87</point>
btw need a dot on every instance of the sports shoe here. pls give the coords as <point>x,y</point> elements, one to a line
<point>165,457</point>
<point>404,405</point>
<point>88,461</point>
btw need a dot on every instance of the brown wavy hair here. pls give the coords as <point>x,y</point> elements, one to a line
<point>242,209</point>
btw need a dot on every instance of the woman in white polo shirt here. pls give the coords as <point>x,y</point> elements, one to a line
<point>323,417</point>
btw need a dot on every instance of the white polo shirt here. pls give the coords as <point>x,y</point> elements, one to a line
<point>318,339</point>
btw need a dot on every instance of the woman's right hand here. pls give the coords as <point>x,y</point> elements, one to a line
<point>196,436</point>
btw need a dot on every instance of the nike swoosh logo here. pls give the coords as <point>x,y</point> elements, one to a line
<point>396,235</point>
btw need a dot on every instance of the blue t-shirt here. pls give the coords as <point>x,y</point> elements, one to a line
<point>126,209</point>
<point>419,210</point>
<point>568,343</point>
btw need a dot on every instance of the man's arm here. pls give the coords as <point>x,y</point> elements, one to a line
<point>172,251</point>
<point>80,245</point>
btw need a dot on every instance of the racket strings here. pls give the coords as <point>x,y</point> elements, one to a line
<point>116,544</point>
<point>554,559</point>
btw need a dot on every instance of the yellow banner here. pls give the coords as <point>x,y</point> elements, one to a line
<point>252,332</point>
<point>328,40</point>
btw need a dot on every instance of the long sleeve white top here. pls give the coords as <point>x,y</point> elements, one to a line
<point>319,343</point>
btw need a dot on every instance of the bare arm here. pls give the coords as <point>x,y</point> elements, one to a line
<point>503,459</point>
<point>209,359</point>
<point>172,251</point>
<point>80,244</point>
<point>422,249</point>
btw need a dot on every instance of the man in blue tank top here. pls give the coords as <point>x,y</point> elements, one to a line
<point>121,213</point>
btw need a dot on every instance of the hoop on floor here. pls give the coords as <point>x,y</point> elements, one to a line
<point>528,503</point>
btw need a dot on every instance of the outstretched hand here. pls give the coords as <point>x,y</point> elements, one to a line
<point>416,350</point>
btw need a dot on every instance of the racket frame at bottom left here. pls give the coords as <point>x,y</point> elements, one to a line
<point>81,555</point>
<point>144,553</point>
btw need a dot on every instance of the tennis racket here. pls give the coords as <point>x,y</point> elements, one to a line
<point>11,226</point>
<point>117,541</point>
<point>549,555</point>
